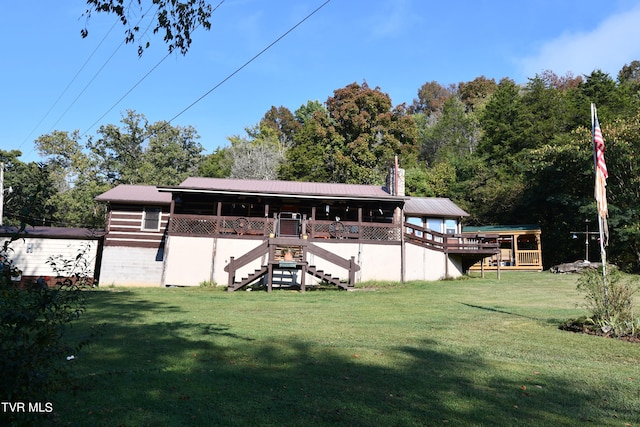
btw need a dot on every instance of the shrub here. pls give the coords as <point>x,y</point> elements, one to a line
<point>33,320</point>
<point>208,284</point>
<point>612,311</point>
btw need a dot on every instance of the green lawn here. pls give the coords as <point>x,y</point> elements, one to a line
<point>465,352</point>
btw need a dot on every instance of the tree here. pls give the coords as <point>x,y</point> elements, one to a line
<point>476,93</point>
<point>172,154</point>
<point>141,153</point>
<point>372,131</point>
<point>622,140</point>
<point>175,19</point>
<point>455,133</point>
<point>32,185</point>
<point>217,164</point>
<point>305,112</point>
<point>315,153</point>
<point>500,120</point>
<point>118,151</point>
<point>257,155</point>
<point>431,98</point>
<point>283,122</point>
<point>630,72</point>
<point>135,153</point>
<point>353,140</point>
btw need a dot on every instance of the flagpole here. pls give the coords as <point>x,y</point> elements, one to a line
<point>603,253</point>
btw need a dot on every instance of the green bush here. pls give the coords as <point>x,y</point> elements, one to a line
<point>612,311</point>
<point>36,358</point>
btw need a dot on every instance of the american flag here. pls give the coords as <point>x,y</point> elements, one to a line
<point>601,173</point>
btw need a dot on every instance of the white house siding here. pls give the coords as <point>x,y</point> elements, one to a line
<point>30,254</point>
<point>377,262</point>
<point>190,260</point>
<point>426,264</point>
<point>131,266</point>
<point>225,248</point>
<point>380,262</point>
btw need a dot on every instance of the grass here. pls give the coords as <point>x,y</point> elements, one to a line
<point>464,352</point>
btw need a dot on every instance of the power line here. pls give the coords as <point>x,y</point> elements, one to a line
<point>96,74</point>
<point>249,61</point>
<point>126,93</point>
<point>64,91</point>
<point>138,82</point>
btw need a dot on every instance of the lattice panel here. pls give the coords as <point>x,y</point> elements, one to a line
<point>242,225</point>
<point>200,227</point>
<point>380,233</point>
<point>322,228</point>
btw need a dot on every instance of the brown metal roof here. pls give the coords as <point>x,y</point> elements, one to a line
<point>283,188</point>
<point>433,206</point>
<point>53,232</point>
<point>137,194</point>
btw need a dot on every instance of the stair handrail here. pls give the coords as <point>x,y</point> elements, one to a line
<point>348,264</point>
<point>235,264</point>
<point>333,258</point>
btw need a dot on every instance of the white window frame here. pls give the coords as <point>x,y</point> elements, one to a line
<point>450,226</point>
<point>150,210</point>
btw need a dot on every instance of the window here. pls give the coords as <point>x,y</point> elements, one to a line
<point>435,224</point>
<point>151,219</point>
<point>450,226</point>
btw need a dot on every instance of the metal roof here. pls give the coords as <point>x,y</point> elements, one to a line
<point>52,232</point>
<point>433,206</point>
<point>283,188</point>
<point>136,194</point>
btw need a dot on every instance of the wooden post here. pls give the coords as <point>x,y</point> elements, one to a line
<point>232,274</point>
<point>352,273</point>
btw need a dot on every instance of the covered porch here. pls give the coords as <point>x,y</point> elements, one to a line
<point>520,247</point>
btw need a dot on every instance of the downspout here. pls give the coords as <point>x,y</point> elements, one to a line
<point>395,177</point>
<point>165,255</point>
<point>402,243</point>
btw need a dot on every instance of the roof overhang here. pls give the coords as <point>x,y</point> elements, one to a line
<point>180,189</point>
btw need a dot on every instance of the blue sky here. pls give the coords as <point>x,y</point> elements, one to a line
<point>396,45</point>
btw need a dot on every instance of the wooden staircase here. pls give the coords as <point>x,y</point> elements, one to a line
<point>328,278</point>
<point>251,278</point>
<point>277,264</point>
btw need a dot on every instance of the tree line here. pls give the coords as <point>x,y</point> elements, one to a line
<point>507,153</point>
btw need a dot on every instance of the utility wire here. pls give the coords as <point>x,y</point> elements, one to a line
<point>249,61</point>
<point>126,93</point>
<point>96,75</point>
<point>137,83</point>
<point>64,91</point>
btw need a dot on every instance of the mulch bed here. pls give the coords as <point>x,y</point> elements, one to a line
<point>581,328</point>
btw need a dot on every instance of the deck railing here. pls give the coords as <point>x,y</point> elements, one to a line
<point>529,258</point>
<point>352,230</point>
<point>449,243</point>
<point>225,226</point>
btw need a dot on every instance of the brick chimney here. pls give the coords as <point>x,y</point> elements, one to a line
<point>395,180</point>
